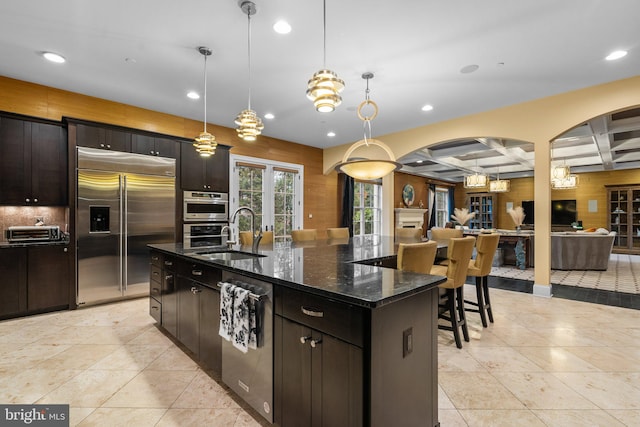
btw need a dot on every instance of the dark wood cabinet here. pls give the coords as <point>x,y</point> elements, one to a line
<point>13,287</point>
<point>48,277</point>
<point>102,138</point>
<point>33,163</point>
<point>204,173</point>
<point>154,146</point>
<point>34,279</point>
<point>189,305</point>
<point>321,379</point>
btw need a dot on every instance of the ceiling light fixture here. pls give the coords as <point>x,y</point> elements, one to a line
<point>54,57</point>
<point>205,144</point>
<point>282,27</point>
<point>248,122</point>
<point>499,185</point>
<point>324,87</point>
<point>616,55</point>
<point>193,95</point>
<point>561,178</point>
<point>269,116</point>
<point>427,107</point>
<point>366,169</point>
<point>477,180</point>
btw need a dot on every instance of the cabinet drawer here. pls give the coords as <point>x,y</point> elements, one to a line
<point>155,309</point>
<point>335,318</point>
<point>156,274</point>
<point>200,273</point>
<point>155,289</point>
<point>156,259</point>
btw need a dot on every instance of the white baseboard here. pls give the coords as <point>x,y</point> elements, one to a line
<point>542,290</point>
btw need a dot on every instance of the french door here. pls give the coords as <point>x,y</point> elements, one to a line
<point>273,190</point>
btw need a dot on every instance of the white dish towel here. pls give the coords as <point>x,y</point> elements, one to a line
<point>241,316</point>
<point>226,310</point>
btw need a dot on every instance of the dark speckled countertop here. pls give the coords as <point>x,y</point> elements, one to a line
<point>324,268</point>
<point>5,245</point>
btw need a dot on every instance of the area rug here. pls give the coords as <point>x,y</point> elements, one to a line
<point>622,275</point>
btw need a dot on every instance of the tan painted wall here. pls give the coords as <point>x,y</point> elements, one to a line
<point>40,101</point>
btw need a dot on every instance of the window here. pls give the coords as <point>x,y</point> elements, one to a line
<point>442,206</point>
<point>367,208</point>
<point>273,190</point>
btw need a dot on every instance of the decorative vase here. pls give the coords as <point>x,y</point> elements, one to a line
<point>518,228</point>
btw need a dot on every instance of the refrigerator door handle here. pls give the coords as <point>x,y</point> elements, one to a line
<point>125,225</point>
<point>120,233</point>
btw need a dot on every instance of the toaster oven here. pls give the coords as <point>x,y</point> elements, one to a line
<point>33,233</point>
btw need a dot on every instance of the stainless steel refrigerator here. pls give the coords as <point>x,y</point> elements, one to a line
<point>124,202</point>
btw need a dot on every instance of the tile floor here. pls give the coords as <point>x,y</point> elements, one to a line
<point>552,362</point>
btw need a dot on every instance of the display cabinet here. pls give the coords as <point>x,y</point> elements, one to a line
<point>624,217</point>
<point>483,205</point>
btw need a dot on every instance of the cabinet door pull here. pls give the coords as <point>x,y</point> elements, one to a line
<point>168,277</point>
<point>304,339</point>
<point>314,343</point>
<point>196,272</point>
<point>155,258</point>
<point>35,200</point>
<point>195,290</point>
<point>311,312</point>
<point>27,200</point>
<point>168,263</point>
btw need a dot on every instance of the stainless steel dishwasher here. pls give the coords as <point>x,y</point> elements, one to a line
<point>250,374</point>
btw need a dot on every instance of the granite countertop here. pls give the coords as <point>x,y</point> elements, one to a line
<point>323,268</point>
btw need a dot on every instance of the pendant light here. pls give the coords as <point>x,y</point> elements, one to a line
<point>324,87</point>
<point>561,178</point>
<point>205,144</point>
<point>368,169</point>
<point>499,185</point>
<point>477,180</point>
<point>248,122</point>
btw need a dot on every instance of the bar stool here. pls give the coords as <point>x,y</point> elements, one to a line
<point>480,268</point>
<point>416,257</point>
<point>304,234</point>
<point>442,235</point>
<point>459,254</point>
<point>338,233</point>
<point>246,237</point>
<point>409,234</point>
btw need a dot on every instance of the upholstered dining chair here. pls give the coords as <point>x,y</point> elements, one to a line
<point>486,246</point>
<point>409,234</point>
<point>338,233</point>
<point>246,237</point>
<point>459,253</point>
<point>442,235</point>
<point>416,257</point>
<point>304,235</point>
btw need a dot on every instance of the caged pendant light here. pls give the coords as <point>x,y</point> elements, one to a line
<point>205,144</point>
<point>248,122</point>
<point>368,169</point>
<point>324,87</point>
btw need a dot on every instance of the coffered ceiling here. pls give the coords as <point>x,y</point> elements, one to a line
<point>461,57</point>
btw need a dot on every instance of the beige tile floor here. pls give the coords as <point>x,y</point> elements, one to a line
<point>552,362</point>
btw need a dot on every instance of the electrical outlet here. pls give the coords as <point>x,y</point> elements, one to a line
<point>407,342</point>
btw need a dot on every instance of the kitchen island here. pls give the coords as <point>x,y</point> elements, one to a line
<point>348,340</point>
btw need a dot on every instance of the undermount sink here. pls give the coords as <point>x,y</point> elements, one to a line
<point>227,255</point>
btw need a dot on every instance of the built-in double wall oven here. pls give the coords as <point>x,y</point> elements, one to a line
<point>205,214</point>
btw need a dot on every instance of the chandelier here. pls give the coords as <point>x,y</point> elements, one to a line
<point>248,122</point>
<point>561,178</point>
<point>205,144</point>
<point>499,185</point>
<point>325,86</point>
<point>366,169</point>
<point>477,180</point>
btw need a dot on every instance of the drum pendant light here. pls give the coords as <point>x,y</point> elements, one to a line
<point>205,144</point>
<point>248,122</point>
<point>324,87</point>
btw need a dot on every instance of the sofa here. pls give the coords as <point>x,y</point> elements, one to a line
<point>581,251</point>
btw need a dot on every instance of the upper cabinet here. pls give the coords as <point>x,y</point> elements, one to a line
<point>154,146</point>
<point>33,163</point>
<point>116,139</point>
<point>204,173</point>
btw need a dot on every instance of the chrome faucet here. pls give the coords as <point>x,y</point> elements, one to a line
<point>230,241</point>
<point>257,234</point>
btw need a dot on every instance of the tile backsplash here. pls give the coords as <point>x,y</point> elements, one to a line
<point>26,215</point>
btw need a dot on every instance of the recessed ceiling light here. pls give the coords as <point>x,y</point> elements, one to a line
<point>130,60</point>
<point>269,116</point>
<point>193,95</point>
<point>427,107</point>
<point>331,134</point>
<point>282,27</point>
<point>419,161</point>
<point>469,69</point>
<point>54,57</point>
<point>616,55</point>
